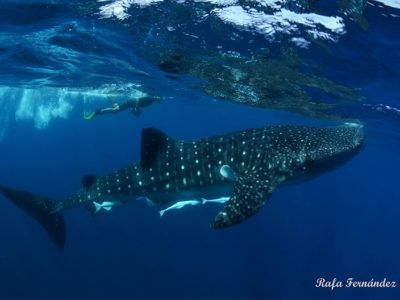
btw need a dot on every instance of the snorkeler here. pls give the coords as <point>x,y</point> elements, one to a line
<point>135,105</point>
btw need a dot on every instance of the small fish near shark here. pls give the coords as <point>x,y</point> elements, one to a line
<point>179,205</point>
<point>221,200</point>
<point>106,205</point>
<point>182,204</point>
<point>244,166</point>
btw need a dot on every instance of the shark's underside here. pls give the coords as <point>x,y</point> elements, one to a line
<point>245,166</point>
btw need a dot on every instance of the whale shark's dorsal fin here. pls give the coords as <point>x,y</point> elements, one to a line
<point>153,141</point>
<point>249,195</point>
<point>88,181</point>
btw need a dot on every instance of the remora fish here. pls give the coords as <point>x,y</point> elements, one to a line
<point>106,205</point>
<point>258,161</point>
<point>221,200</point>
<point>179,205</point>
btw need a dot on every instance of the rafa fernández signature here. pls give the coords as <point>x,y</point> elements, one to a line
<point>350,282</point>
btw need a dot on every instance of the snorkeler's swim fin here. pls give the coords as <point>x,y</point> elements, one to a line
<point>89,116</point>
<point>40,208</point>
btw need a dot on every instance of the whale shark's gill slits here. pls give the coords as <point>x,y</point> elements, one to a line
<point>254,155</point>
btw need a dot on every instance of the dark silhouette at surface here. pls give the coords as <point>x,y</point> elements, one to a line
<point>135,105</point>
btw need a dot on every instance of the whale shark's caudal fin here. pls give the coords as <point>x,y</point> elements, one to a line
<point>39,208</point>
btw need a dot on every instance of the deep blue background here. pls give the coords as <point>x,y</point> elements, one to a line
<point>342,224</point>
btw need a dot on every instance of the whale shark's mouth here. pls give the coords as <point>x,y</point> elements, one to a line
<point>358,138</point>
<point>317,168</point>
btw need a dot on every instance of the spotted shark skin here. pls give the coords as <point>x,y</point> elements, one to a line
<point>173,170</point>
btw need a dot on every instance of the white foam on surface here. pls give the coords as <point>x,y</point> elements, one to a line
<point>282,21</point>
<point>300,42</point>
<point>384,108</point>
<point>274,4</point>
<point>119,8</point>
<point>219,2</point>
<point>320,35</point>
<point>390,3</point>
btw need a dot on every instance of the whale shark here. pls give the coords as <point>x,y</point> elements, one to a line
<point>245,166</point>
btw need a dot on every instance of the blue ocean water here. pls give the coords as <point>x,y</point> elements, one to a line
<point>323,63</point>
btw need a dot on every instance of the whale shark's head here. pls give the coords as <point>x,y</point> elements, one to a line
<point>296,152</point>
<point>332,147</point>
<point>337,141</point>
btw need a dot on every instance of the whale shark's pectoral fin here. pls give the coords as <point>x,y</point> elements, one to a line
<point>249,195</point>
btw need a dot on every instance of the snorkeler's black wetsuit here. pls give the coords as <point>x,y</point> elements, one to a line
<point>135,105</point>
<point>127,104</point>
<point>143,102</point>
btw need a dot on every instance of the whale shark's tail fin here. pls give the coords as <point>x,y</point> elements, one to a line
<point>39,208</point>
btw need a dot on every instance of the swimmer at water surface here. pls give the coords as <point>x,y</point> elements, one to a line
<point>135,105</point>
